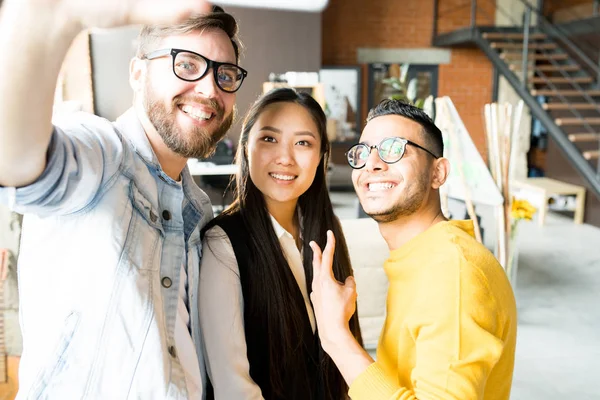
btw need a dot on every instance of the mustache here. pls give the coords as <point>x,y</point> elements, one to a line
<point>200,100</point>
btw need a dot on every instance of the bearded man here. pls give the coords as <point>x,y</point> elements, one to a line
<point>111,248</point>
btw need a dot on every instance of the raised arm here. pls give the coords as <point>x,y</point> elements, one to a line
<point>35,36</point>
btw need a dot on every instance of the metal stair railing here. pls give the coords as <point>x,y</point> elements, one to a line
<point>546,25</point>
<point>522,86</point>
<point>570,150</point>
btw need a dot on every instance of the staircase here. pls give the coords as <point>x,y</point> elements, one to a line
<point>540,61</point>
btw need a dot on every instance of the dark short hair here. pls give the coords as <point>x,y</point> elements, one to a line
<point>217,19</point>
<point>431,133</point>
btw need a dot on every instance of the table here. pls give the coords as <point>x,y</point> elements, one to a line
<point>547,187</point>
<point>208,169</point>
<point>204,169</point>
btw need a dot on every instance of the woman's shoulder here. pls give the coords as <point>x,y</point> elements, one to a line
<point>215,234</point>
<point>217,253</point>
<point>225,221</point>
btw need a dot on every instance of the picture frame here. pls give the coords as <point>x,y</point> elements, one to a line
<point>425,74</point>
<point>342,87</point>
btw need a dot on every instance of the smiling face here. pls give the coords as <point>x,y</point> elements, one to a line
<point>284,151</point>
<point>190,117</point>
<point>389,191</point>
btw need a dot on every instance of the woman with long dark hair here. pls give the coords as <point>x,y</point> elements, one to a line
<point>257,319</point>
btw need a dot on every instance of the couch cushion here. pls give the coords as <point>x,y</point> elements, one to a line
<point>368,251</point>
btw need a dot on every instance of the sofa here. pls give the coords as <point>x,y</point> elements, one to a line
<point>368,251</point>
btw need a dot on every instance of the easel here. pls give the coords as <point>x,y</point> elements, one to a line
<point>469,179</point>
<point>501,124</point>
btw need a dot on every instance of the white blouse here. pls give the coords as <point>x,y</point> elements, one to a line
<point>221,306</point>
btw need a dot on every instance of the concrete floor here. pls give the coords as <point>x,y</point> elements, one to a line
<point>558,299</point>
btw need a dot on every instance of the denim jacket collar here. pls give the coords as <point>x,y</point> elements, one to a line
<point>130,124</point>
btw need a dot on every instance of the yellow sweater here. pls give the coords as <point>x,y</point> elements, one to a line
<point>450,330</point>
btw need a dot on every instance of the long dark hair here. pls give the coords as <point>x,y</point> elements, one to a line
<point>268,260</point>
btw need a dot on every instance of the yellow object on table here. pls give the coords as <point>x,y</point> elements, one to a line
<point>546,187</point>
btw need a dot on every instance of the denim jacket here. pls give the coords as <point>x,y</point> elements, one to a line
<point>105,235</point>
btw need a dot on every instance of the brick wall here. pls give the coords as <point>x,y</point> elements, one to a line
<point>351,24</point>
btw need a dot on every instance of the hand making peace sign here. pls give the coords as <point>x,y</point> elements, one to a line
<point>334,303</point>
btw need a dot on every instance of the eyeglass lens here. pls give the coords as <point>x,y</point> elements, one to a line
<point>390,150</point>
<point>189,66</point>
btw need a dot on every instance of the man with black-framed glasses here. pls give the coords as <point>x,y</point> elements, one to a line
<point>111,247</point>
<point>450,329</point>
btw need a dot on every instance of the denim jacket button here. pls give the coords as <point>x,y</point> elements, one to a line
<point>172,351</point>
<point>166,282</point>
<point>153,217</point>
<point>166,215</point>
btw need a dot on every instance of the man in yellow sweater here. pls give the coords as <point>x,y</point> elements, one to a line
<point>450,329</point>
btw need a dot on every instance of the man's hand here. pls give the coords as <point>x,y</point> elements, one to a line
<point>114,13</point>
<point>334,305</point>
<point>35,36</point>
<point>334,302</point>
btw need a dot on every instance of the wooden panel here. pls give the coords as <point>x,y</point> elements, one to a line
<point>519,56</point>
<point>569,106</point>
<point>550,92</point>
<point>584,137</point>
<point>561,79</point>
<point>511,36</point>
<point>577,121</point>
<point>8,390</point>
<point>503,45</point>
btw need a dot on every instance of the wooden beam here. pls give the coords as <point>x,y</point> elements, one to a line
<point>584,137</point>
<point>508,45</point>
<point>569,106</point>
<point>577,121</point>
<point>562,79</point>
<point>566,92</point>
<point>510,36</point>
<point>517,56</point>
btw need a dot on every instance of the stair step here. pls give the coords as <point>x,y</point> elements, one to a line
<point>584,137</point>
<point>562,79</point>
<point>509,36</point>
<point>508,45</point>
<point>564,106</point>
<point>577,121</point>
<point>518,56</point>
<point>566,68</point>
<point>569,67</point>
<point>591,154</point>
<point>571,93</point>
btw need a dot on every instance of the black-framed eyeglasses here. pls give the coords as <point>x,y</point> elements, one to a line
<point>390,150</point>
<point>191,67</point>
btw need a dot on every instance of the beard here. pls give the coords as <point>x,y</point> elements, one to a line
<point>197,142</point>
<point>410,202</point>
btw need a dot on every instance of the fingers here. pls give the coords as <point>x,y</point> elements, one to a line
<point>316,260</point>
<point>327,257</point>
<point>350,283</point>
<point>323,261</point>
<point>166,12</point>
